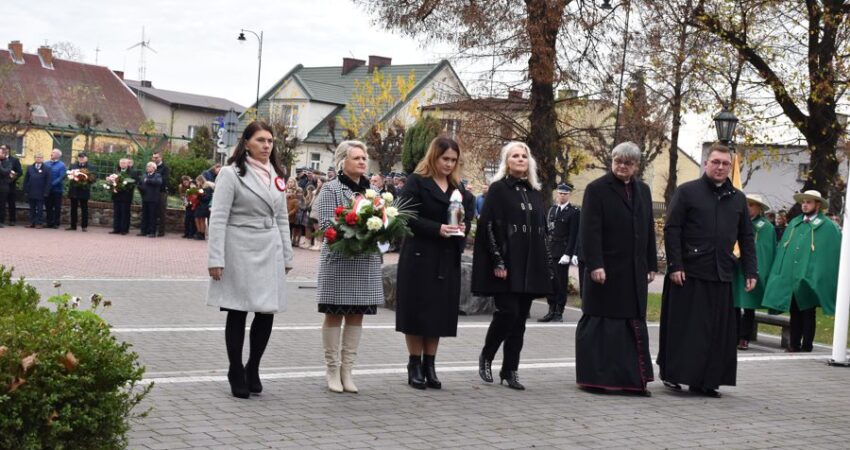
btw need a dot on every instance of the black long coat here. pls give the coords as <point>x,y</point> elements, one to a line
<point>618,235</point>
<point>429,265</point>
<point>79,192</point>
<point>512,232</point>
<point>703,223</point>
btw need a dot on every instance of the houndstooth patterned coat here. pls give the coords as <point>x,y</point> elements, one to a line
<point>342,280</point>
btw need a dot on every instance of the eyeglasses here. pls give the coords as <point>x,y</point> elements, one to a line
<point>627,163</point>
<point>717,162</point>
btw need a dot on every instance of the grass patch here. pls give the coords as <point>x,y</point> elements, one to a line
<point>823,327</point>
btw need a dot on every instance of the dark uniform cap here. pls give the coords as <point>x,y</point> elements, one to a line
<point>564,187</point>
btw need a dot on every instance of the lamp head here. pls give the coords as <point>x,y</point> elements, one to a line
<point>725,122</point>
<point>606,4</point>
<point>241,37</point>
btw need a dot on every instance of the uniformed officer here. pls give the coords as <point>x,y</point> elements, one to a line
<point>563,221</point>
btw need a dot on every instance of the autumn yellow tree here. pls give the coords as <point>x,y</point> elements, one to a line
<point>371,115</point>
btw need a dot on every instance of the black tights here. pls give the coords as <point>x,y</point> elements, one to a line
<point>234,336</point>
<point>508,326</point>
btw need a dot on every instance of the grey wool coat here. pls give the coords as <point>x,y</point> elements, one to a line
<point>342,280</point>
<point>249,238</point>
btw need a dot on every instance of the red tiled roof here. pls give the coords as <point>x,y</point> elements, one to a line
<point>70,88</point>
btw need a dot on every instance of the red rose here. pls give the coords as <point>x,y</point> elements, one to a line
<point>351,218</point>
<point>338,211</point>
<point>330,235</point>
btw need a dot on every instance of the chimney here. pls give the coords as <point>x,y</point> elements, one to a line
<point>376,62</point>
<point>146,84</point>
<point>119,74</point>
<point>349,64</point>
<point>16,50</point>
<point>45,54</point>
<point>564,94</point>
<point>514,95</point>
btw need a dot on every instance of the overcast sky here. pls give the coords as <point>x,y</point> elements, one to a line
<point>196,46</point>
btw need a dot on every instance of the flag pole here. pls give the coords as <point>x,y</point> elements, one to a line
<point>842,296</point>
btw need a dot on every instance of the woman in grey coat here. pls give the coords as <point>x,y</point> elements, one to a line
<point>348,288</point>
<point>249,251</point>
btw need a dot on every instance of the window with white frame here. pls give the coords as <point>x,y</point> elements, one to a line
<point>451,127</point>
<point>286,114</point>
<point>193,129</point>
<point>315,161</point>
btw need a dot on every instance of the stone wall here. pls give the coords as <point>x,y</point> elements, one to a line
<point>100,215</point>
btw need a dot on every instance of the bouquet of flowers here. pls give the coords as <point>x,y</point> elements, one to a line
<point>193,196</point>
<point>119,182</point>
<point>80,178</point>
<point>368,223</point>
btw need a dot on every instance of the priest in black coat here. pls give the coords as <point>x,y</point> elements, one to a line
<point>705,218</point>
<point>618,248</point>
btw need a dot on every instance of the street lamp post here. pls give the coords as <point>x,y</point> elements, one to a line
<point>725,123</point>
<point>606,4</point>
<point>259,58</point>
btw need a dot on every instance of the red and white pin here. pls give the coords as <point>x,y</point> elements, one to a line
<point>280,184</point>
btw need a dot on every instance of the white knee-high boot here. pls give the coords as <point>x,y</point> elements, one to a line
<point>350,342</point>
<point>330,341</point>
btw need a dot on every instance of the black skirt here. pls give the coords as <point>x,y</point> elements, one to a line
<point>343,310</point>
<point>613,353</point>
<point>699,334</point>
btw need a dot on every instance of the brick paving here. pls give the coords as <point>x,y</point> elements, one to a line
<point>157,287</point>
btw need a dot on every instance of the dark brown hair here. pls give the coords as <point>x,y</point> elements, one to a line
<point>427,167</point>
<point>240,154</point>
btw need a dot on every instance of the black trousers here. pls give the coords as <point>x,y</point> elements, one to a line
<point>8,200</point>
<point>189,228</point>
<point>558,299</point>
<point>746,317</point>
<point>54,209</point>
<point>802,327</point>
<point>83,204</point>
<point>508,326</point>
<point>121,217</point>
<point>234,337</point>
<point>163,205</point>
<point>150,210</point>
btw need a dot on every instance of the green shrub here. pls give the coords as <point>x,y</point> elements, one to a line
<point>65,381</point>
<point>184,165</point>
<point>416,141</point>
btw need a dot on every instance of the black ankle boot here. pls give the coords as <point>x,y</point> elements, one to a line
<point>252,373</point>
<point>238,383</point>
<point>431,379</point>
<point>549,315</point>
<point>415,378</point>
<point>513,380</point>
<point>484,368</point>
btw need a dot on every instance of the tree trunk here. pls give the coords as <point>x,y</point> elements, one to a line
<point>673,166</point>
<point>544,21</point>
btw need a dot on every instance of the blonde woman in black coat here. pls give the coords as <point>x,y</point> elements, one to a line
<point>511,258</point>
<point>429,264</point>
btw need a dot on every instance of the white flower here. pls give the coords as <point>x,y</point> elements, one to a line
<point>200,191</point>
<point>75,302</point>
<point>370,194</point>
<point>106,186</point>
<point>374,224</point>
<point>392,212</point>
<point>126,182</point>
<point>387,196</point>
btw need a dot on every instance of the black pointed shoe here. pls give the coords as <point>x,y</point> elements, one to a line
<point>512,378</point>
<point>431,379</point>
<point>549,315</point>
<point>485,370</point>
<point>238,382</point>
<point>252,374</point>
<point>415,377</point>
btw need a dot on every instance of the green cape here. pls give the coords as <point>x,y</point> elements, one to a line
<point>765,238</point>
<point>805,266</point>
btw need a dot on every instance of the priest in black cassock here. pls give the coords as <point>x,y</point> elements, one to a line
<point>699,333</point>
<point>617,235</point>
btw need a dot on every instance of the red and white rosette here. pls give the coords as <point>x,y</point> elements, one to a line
<point>280,184</point>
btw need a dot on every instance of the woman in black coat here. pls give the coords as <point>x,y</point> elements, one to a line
<point>511,257</point>
<point>429,264</point>
<point>617,234</point>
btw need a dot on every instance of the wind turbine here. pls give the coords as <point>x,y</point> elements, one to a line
<point>143,45</point>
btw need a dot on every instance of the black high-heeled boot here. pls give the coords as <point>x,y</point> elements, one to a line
<point>238,383</point>
<point>261,330</point>
<point>484,368</point>
<point>252,375</point>
<point>431,379</point>
<point>415,378</point>
<point>513,380</point>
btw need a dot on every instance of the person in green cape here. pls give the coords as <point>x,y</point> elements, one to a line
<point>804,274</point>
<point>749,302</point>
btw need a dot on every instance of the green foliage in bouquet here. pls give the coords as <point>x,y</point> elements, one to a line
<point>65,381</point>
<point>367,222</point>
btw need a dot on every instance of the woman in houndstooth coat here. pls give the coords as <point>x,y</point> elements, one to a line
<point>348,288</point>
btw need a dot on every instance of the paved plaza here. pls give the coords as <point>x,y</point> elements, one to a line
<point>158,286</point>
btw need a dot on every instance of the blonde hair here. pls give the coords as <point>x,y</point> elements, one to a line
<point>344,148</point>
<point>502,171</point>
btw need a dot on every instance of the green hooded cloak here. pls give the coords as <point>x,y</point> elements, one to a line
<point>805,266</point>
<point>765,238</point>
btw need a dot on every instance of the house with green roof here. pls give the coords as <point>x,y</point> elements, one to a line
<point>308,100</point>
